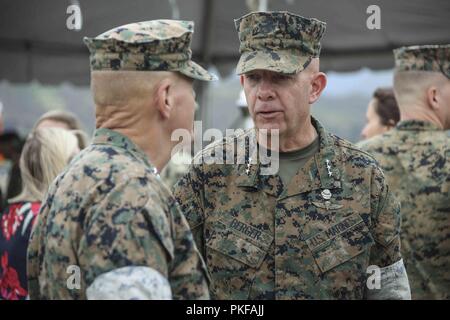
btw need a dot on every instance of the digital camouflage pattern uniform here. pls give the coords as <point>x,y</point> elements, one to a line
<point>315,237</point>
<point>109,210</point>
<point>415,156</point>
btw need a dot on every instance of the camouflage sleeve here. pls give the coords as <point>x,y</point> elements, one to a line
<point>33,255</point>
<point>385,224</point>
<point>137,226</point>
<point>127,228</point>
<point>188,191</point>
<point>189,271</point>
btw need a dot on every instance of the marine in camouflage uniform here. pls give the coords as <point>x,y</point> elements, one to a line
<point>108,216</point>
<point>415,157</point>
<point>311,238</point>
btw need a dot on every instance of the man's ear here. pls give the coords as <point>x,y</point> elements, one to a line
<point>241,78</point>
<point>163,98</point>
<point>318,84</point>
<point>433,98</point>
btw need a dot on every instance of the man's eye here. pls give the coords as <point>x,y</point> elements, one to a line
<point>282,77</point>
<point>253,77</point>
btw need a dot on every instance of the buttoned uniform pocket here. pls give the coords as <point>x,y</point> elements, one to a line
<point>341,243</point>
<point>240,241</point>
<point>235,251</point>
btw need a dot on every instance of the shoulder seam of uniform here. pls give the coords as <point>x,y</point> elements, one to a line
<point>348,145</point>
<point>225,141</point>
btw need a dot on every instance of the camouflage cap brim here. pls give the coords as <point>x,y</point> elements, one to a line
<point>281,61</point>
<point>195,71</point>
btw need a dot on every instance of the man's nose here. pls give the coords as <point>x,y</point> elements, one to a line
<point>265,90</point>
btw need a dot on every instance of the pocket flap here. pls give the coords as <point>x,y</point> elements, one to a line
<point>239,245</point>
<point>340,243</point>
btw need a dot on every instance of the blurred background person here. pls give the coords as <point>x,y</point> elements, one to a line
<point>10,181</point>
<point>415,158</point>
<point>10,149</point>
<point>11,144</point>
<point>45,154</point>
<point>2,126</point>
<point>382,113</point>
<point>65,120</point>
<point>4,163</point>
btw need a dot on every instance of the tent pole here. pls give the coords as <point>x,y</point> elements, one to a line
<point>208,9</point>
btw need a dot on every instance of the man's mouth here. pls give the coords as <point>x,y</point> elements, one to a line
<point>268,114</point>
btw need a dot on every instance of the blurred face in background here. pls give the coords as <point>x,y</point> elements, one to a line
<point>374,124</point>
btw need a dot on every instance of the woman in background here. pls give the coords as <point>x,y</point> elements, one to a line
<point>382,113</point>
<point>65,120</point>
<point>45,154</point>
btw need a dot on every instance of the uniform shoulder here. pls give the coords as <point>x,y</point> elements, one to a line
<point>102,169</point>
<point>351,150</point>
<point>105,161</point>
<point>376,143</point>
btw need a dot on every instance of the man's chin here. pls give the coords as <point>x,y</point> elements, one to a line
<point>270,127</point>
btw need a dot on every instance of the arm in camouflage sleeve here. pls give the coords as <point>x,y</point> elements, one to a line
<point>188,269</point>
<point>129,238</point>
<point>188,191</point>
<point>139,238</point>
<point>123,232</point>
<point>385,254</point>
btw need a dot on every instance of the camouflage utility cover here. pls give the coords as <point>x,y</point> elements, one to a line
<point>277,41</point>
<point>424,58</point>
<point>157,45</point>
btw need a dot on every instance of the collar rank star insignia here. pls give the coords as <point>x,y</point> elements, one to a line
<point>247,171</point>
<point>329,168</point>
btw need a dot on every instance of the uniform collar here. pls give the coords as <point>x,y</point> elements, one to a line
<point>320,172</point>
<point>417,125</point>
<point>116,139</point>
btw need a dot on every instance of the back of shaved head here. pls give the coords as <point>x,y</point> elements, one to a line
<point>411,87</point>
<point>119,88</point>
